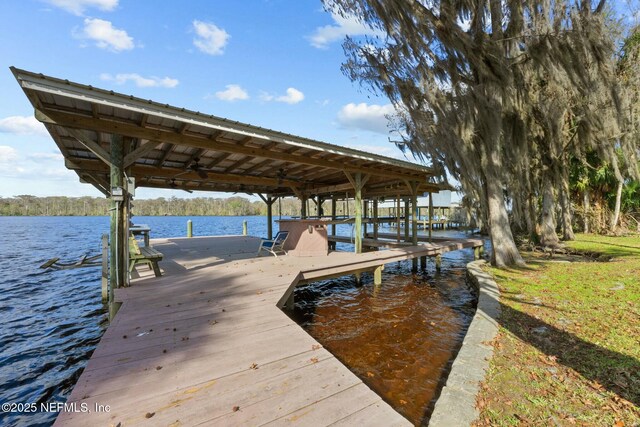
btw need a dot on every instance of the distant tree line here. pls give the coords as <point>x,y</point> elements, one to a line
<point>26,205</point>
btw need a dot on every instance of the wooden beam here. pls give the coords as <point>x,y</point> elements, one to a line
<point>235,164</point>
<point>257,165</point>
<point>143,149</point>
<point>100,184</point>
<point>165,155</point>
<point>218,144</point>
<point>138,170</point>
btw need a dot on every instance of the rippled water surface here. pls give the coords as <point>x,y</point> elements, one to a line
<point>400,337</point>
<point>51,321</point>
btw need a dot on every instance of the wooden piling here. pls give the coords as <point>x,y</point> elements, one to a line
<point>430,215</point>
<point>105,268</point>
<point>413,186</point>
<point>358,184</point>
<point>245,229</point>
<point>377,275</point>
<point>189,228</point>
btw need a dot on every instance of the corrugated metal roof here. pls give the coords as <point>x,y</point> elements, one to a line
<point>173,147</point>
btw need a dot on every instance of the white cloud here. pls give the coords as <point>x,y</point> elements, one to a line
<point>211,39</point>
<point>366,117</point>
<point>46,156</point>
<point>7,155</point>
<point>139,80</point>
<point>77,7</point>
<point>232,93</point>
<point>106,36</point>
<point>14,164</point>
<point>293,96</point>
<point>266,96</point>
<point>350,26</point>
<point>22,125</point>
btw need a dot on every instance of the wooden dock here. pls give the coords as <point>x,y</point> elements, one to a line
<point>207,343</point>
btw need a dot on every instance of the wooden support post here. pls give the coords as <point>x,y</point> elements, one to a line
<point>476,253</point>
<point>365,225</point>
<point>358,279</point>
<point>413,186</point>
<point>118,242</point>
<point>333,214</point>
<point>430,215</point>
<point>377,275</point>
<point>270,201</point>
<point>438,262</point>
<point>105,268</point>
<point>407,209</point>
<point>303,207</point>
<point>423,262</point>
<point>358,222</point>
<point>245,228</point>
<point>398,218</point>
<point>375,219</point>
<point>319,208</point>
<point>189,228</point>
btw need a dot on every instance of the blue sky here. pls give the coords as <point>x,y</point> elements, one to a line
<point>271,63</point>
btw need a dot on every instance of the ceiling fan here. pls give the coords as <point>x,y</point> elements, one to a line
<point>194,166</point>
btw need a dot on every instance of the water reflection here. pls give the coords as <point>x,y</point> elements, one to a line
<point>400,337</point>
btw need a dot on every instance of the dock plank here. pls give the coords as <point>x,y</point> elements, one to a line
<point>222,301</point>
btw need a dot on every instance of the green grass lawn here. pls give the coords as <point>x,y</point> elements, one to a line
<point>568,349</point>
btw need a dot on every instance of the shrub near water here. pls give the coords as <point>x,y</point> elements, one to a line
<point>568,350</point>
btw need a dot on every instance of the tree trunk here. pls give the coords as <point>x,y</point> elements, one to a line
<point>565,204</point>
<point>548,236</point>
<point>616,212</point>
<point>585,209</point>
<point>505,253</point>
<point>530,214</point>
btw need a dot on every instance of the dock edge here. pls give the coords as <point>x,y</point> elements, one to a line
<point>457,402</point>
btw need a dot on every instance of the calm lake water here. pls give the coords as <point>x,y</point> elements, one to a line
<point>51,321</point>
<point>400,338</point>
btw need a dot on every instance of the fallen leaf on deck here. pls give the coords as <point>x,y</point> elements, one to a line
<point>316,347</point>
<point>314,360</point>
<point>149,414</point>
<point>236,408</point>
<point>254,366</point>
